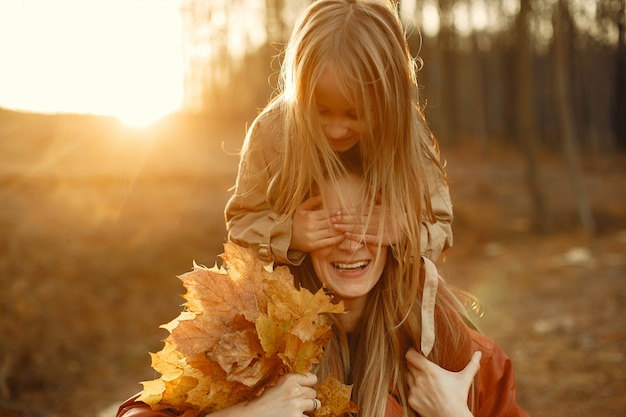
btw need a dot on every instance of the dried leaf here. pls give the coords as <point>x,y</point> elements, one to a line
<point>220,295</point>
<point>299,355</point>
<point>177,379</point>
<point>244,326</point>
<point>300,308</point>
<point>335,399</point>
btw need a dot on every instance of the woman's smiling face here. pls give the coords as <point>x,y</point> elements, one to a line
<point>349,269</point>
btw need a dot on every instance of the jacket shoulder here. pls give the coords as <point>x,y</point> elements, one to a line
<point>267,129</point>
<point>494,384</point>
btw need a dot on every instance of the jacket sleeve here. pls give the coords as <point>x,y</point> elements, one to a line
<point>249,220</point>
<point>251,223</point>
<point>436,236</point>
<point>134,408</point>
<point>495,392</point>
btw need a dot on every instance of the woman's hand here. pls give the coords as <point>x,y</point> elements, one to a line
<point>311,229</point>
<point>436,392</point>
<point>292,396</point>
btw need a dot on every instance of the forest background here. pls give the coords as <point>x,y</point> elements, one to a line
<point>528,101</point>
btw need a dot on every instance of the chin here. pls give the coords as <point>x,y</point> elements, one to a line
<point>343,146</point>
<point>350,290</point>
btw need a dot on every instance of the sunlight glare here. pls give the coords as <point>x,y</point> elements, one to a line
<point>116,57</point>
<point>479,15</point>
<point>461,17</point>
<point>430,17</point>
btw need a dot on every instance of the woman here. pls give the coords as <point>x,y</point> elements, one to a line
<point>375,344</point>
<point>379,339</point>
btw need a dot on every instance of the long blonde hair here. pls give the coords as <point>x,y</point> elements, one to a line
<point>366,42</point>
<point>372,359</point>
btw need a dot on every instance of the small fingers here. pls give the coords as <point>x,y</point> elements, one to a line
<point>320,242</point>
<point>348,221</point>
<point>362,238</point>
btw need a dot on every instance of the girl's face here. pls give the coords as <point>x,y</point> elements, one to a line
<point>349,269</point>
<point>340,118</point>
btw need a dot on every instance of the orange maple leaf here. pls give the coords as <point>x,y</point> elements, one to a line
<point>220,295</point>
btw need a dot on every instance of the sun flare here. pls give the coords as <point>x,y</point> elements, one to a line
<point>115,57</point>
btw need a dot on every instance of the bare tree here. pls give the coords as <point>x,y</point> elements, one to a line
<point>478,91</point>
<point>620,106</point>
<point>526,119</point>
<point>467,84</point>
<point>275,26</point>
<point>562,31</point>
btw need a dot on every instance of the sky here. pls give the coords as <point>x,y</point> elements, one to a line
<point>111,57</point>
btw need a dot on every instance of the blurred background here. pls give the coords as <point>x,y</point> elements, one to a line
<point>120,127</point>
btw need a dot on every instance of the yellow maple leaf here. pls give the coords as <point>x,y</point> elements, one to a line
<point>302,310</point>
<point>299,355</point>
<point>335,399</point>
<point>177,378</point>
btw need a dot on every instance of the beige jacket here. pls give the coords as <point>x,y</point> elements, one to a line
<point>251,223</point>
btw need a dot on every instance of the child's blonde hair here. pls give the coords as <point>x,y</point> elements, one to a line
<point>365,41</point>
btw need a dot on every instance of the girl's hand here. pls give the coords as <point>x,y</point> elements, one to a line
<point>436,392</point>
<point>311,229</point>
<point>355,225</point>
<point>292,396</point>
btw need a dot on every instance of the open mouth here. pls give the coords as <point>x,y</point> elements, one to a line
<point>348,267</point>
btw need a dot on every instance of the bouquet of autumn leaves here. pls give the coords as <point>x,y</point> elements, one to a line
<point>244,325</point>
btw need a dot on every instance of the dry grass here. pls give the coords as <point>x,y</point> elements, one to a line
<point>97,221</point>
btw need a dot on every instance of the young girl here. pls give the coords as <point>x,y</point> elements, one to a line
<point>347,95</point>
<point>374,346</point>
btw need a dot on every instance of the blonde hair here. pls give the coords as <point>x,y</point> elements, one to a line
<point>366,42</point>
<point>372,359</point>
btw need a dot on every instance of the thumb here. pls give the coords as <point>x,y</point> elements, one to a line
<point>473,366</point>
<point>417,360</point>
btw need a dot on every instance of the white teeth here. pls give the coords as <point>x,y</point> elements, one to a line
<point>356,265</point>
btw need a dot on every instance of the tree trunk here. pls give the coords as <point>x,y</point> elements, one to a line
<point>448,81</point>
<point>478,100</point>
<point>620,105</point>
<point>526,129</point>
<point>562,28</point>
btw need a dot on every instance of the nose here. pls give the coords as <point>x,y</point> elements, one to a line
<point>349,245</point>
<point>335,130</point>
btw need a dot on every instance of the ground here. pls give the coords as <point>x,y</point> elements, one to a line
<point>97,220</point>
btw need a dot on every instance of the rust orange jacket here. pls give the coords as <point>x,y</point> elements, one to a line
<point>494,389</point>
